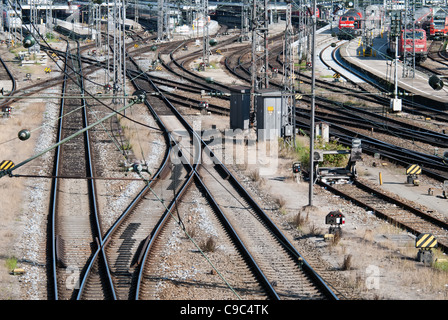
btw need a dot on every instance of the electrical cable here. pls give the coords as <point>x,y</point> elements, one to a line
<point>180,224</point>
<point>90,94</point>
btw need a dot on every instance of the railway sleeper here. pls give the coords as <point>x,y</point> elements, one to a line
<point>60,252</point>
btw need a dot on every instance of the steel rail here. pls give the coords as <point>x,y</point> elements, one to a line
<point>194,175</point>
<point>408,105</point>
<point>383,215</point>
<point>92,188</point>
<point>53,198</point>
<point>436,162</point>
<point>407,156</point>
<point>403,126</point>
<point>282,239</point>
<point>13,80</point>
<point>351,119</point>
<point>104,242</point>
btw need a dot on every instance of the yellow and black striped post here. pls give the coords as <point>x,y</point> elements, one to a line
<point>6,164</point>
<point>414,169</point>
<point>425,241</point>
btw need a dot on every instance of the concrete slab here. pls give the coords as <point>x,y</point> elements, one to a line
<point>395,182</point>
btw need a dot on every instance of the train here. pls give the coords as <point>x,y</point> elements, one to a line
<point>422,21</point>
<point>12,19</point>
<point>306,11</point>
<point>420,44</point>
<point>352,22</point>
<point>437,28</point>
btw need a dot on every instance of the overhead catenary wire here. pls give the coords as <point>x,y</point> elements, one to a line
<point>2,173</point>
<point>182,226</point>
<point>77,73</point>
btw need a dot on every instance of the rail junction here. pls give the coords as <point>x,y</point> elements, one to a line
<point>135,185</point>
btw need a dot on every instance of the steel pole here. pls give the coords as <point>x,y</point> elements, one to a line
<point>313,104</point>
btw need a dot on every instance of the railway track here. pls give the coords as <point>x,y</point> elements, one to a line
<point>148,272</point>
<point>409,106</point>
<point>394,210</point>
<point>123,240</point>
<point>6,74</point>
<point>433,166</point>
<point>203,223</point>
<point>127,240</point>
<point>410,219</point>
<point>436,64</point>
<point>106,263</point>
<point>305,277</point>
<point>76,225</point>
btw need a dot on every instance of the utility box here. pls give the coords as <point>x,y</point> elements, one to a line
<point>240,108</point>
<point>323,130</point>
<point>269,107</point>
<point>395,105</point>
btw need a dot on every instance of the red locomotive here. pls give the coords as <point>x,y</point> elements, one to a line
<point>420,44</point>
<point>350,24</point>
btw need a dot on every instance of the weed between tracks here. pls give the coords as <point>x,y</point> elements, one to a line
<point>208,245</point>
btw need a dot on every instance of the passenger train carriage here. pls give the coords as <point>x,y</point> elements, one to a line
<point>421,49</point>
<point>12,19</point>
<point>438,26</point>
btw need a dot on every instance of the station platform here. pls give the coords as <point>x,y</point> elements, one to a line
<point>324,36</point>
<point>77,30</point>
<point>379,67</point>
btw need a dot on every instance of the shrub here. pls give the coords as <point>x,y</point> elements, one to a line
<point>330,160</point>
<point>298,221</point>
<point>347,263</point>
<point>209,245</point>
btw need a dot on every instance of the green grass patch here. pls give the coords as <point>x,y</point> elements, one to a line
<point>441,265</point>
<point>301,153</point>
<point>11,263</point>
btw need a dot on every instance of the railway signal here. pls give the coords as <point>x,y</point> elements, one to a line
<point>6,111</point>
<point>413,171</point>
<point>336,220</point>
<point>425,242</point>
<point>435,82</point>
<point>296,167</point>
<point>297,170</point>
